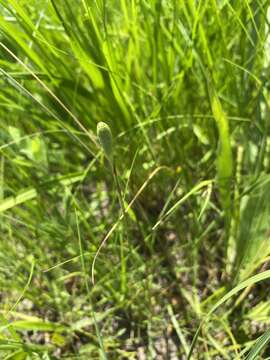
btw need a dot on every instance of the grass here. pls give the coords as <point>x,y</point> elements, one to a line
<point>163,250</point>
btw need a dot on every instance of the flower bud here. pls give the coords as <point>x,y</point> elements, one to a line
<point>105,138</point>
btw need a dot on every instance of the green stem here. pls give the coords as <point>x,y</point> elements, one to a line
<point>122,252</point>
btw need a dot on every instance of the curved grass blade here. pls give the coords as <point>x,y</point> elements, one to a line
<point>252,280</point>
<point>261,342</point>
<point>196,188</point>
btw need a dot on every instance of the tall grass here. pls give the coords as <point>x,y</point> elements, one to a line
<point>184,88</point>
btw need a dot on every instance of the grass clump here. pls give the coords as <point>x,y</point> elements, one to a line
<point>175,223</point>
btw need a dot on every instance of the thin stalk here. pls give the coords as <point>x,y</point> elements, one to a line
<point>122,205</point>
<point>98,333</point>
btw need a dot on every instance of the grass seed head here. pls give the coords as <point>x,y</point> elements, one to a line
<point>105,138</point>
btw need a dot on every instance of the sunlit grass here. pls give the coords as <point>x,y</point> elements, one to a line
<point>174,227</point>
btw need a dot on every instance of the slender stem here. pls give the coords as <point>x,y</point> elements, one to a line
<point>85,275</point>
<point>122,205</point>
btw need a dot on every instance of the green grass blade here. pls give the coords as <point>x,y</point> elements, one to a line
<point>29,194</point>
<point>251,281</point>
<point>259,345</point>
